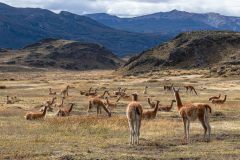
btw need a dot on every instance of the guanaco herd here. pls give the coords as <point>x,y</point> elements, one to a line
<point>188,112</point>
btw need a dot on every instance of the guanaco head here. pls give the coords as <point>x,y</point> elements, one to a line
<point>135,97</point>
<point>176,91</point>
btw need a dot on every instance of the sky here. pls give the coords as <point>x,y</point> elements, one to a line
<point>132,8</point>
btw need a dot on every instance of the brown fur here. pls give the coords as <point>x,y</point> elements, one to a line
<point>151,104</point>
<point>151,114</point>
<point>167,88</point>
<point>219,101</point>
<point>190,89</point>
<point>10,101</point>
<point>134,115</point>
<point>167,108</point>
<point>65,111</point>
<point>64,92</point>
<point>36,115</point>
<point>98,103</point>
<point>51,92</point>
<point>214,97</point>
<point>192,111</point>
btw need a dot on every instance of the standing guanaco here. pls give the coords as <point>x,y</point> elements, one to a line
<point>64,92</point>
<point>111,105</point>
<point>98,103</point>
<point>134,115</point>
<point>192,111</point>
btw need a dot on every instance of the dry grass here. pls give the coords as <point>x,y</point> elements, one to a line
<point>90,137</point>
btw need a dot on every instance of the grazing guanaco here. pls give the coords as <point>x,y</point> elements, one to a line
<point>145,90</point>
<point>151,114</point>
<point>219,101</point>
<point>134,115</point>
<point>111,105</point>
<point>214,97</point>
<point>167,108</point>
<point>36,115</point>
<point>190,89</point>
<point>151,104</point>
<point>167,88</point>
<point>64,92</point>
<point>51,92</point>
<point>192,111</point>
<point>96,102</point>
<point>9,101</point>
<point>62,112</point>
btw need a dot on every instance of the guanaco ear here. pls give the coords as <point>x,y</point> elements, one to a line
<point>178,90</point>
<point>174,89</point>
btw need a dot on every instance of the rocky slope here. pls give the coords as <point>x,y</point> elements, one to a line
<point>203,49</point>
<point>65,54</point>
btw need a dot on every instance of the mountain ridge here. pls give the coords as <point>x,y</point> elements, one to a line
<point>22,26</point>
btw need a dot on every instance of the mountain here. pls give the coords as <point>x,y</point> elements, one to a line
<point>219,50</point>
<point>170,23</point>
<point>22,26</point>
<point>61,54</point>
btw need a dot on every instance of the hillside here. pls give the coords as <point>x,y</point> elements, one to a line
<point>170,23</point>
<point>215,49</point>
<point>22,26</point>
<point>61,54</point>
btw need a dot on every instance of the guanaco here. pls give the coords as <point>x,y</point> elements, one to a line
<point>192,111</point>
<point>51,92</point>
<point>151,104</point>
<point>9,101</point>
<point>64,92</point>
<point>62,112</point>
<point>49,104</point>
<point>36,115</point>
<point>167,88</point>
<point>111,105</point>
<point>167,108</point>
<point>190,89</point>
<point>219,101</point>
<point>96,102</point>
<point>151,114</point>
<point>214,97</point>
<point>134,115</point>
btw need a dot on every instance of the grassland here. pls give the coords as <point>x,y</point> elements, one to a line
<point>82,136</point>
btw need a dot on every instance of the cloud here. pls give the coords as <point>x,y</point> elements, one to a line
<point>129,8</point>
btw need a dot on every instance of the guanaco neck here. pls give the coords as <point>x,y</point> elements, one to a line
<point>44,111</point>
<point>225,98</point>
<point>178,99</point>
<point>53,100</point>
<point>71,107</point>
<point>149,102</point>
<point>156,107</point>
<point>135,97</point>
<point>62,102</point>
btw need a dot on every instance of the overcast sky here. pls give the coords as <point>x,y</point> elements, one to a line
<point>130,8</point>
